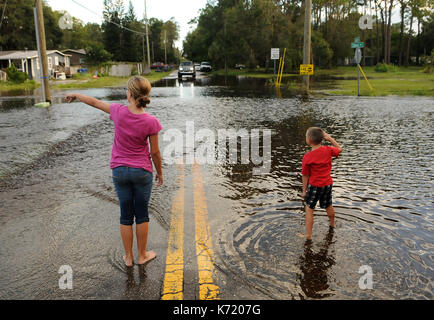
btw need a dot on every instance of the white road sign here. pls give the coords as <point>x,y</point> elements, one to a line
<point>358,55</point>
<point>275,53</point>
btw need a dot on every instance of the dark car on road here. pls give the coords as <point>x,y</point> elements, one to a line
<point>205,67</point>
<point>186,68</point>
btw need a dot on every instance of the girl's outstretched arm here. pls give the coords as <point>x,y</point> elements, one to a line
<point>103,106</point>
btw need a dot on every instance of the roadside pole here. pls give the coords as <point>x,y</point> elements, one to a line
<point>274,73</point>
<point>165,48</point>
<point>358,81</point>
<point>147,42</point>
<point>42,49</point>
<point>275,55</point>
<point>307,39</point>
<point>357,58</point>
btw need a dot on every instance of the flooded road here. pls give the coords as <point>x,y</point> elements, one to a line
<point>59,207</point>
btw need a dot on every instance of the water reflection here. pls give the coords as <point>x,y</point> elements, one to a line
<point>7,104</point>
<point>135,288</point>
<point>186,89</point>
<point>314,266</point>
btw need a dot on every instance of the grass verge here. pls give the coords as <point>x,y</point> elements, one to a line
<point>410,81</point>
<point>10,86</point>
<point>85,81</point>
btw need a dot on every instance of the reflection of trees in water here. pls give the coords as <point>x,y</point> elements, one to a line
<point>287,148</point>
<point>314,268</point>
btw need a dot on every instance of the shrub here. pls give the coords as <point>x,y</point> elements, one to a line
<point>428,69</point>
<point>16,76</point>
<point>429,63</point>
<point>382,67</point>
<point>96,55</point>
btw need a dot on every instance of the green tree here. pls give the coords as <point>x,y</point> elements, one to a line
<point>81,35</point>
<point>131,41</point>
<point>111,27</point>
<point>169,34</point>
<point>155,28</point>
<point>17,29</point>
<point>95,54</point>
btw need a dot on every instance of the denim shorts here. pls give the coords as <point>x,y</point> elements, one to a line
<point>321,194</point>
<point>133,187</point>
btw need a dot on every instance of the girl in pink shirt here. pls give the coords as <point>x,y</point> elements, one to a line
<point>131,162</point>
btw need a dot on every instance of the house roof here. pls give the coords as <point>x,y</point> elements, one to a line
<point>80,51</point>
<point>25,54</point>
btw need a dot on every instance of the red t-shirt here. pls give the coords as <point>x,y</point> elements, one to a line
<point>317,164</point>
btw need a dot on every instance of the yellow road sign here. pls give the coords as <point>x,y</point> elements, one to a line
<point>306,69</point>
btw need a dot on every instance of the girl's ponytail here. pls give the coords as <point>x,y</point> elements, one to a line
<point>140,88</point>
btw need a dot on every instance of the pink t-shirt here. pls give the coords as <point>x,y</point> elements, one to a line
<point>130,145</point>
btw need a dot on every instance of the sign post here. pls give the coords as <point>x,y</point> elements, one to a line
<point>306,69</point>
<point>358,58</point>
<point>275,55</point>
<point>307,39</point>
<point>357,44</point>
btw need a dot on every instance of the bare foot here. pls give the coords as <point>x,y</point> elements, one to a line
<point>149,255</point>
<point>128,261</point>
<point>303,236</point>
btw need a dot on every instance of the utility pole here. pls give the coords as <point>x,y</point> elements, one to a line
<point>42,49</point>
<point>147,37</point>
<point>226,65</point>
<point>165,49</point>
<point>143,53</point>
<point>307,38</point>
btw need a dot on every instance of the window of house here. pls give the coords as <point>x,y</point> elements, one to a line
<point>67,62</point>
<point>56,61</point>
<point>50,63</point>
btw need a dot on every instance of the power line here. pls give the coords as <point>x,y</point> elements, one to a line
<point>115,23</point>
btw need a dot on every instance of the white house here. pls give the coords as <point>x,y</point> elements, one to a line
<point>28,61</point>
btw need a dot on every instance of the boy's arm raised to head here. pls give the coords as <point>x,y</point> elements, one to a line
<point>98,104</point>
<point>327,137</point>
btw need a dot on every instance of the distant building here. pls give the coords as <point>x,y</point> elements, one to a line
<point>28,61</point>
<point>77,58</point>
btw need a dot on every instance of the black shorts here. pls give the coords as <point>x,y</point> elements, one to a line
<point>323,194</point>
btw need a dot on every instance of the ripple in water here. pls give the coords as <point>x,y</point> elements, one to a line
<point>382,197</point>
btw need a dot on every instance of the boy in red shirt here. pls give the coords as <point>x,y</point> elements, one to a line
<point>317,181</point>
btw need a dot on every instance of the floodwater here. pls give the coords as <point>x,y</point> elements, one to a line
<point>58,205</point>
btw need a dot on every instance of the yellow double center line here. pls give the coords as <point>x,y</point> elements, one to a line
<point>174,277</point>
<point>205,261</point>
